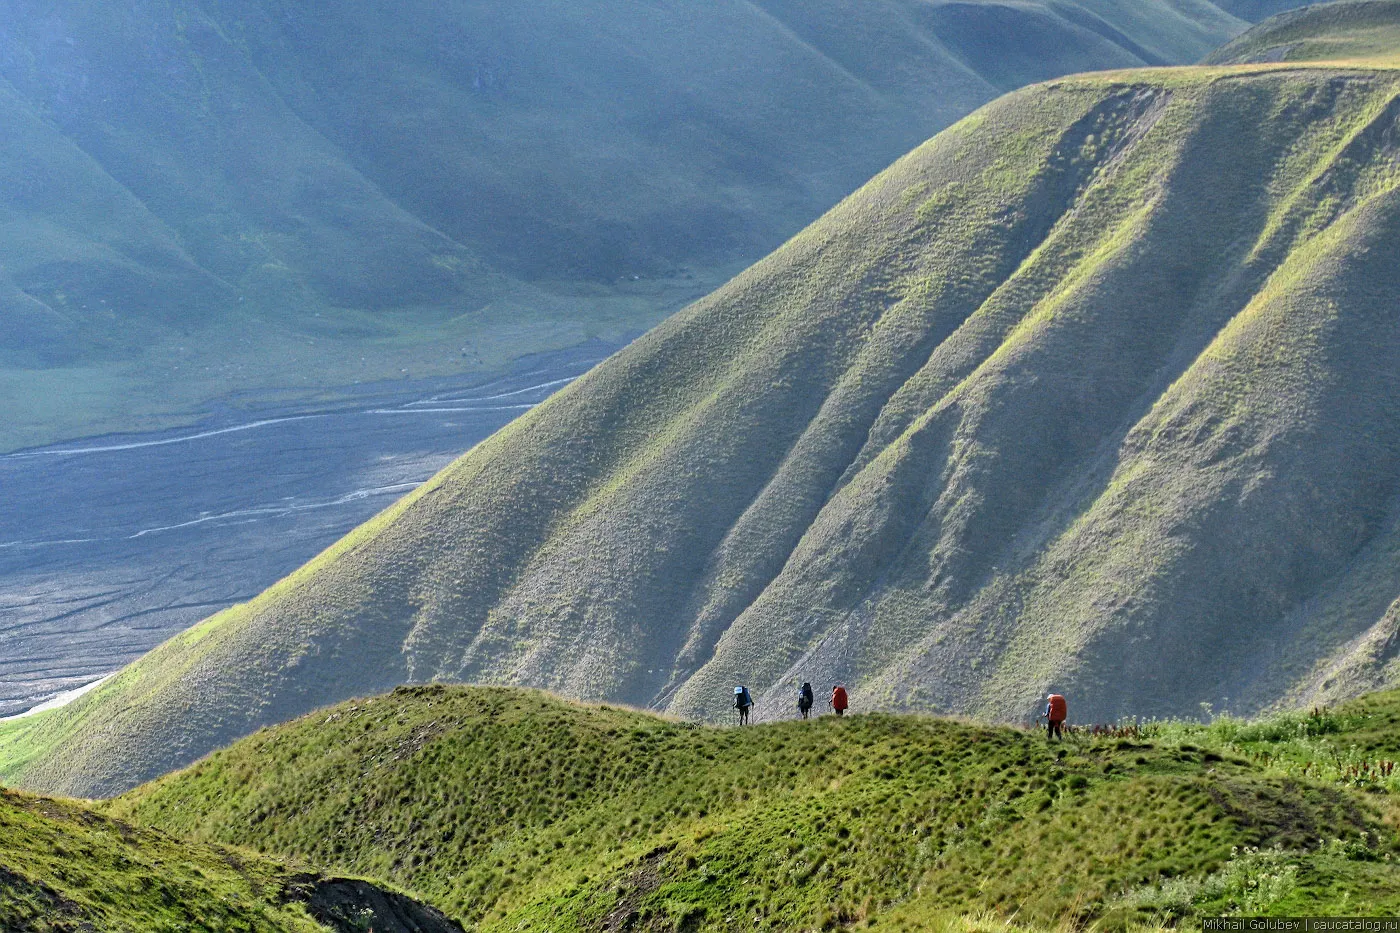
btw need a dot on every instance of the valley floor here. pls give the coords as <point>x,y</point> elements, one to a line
<point>280,358</point>
<point>156,531</point>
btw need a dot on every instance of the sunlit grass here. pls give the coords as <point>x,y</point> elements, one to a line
<point>505,807</point>
<point>63,868</point>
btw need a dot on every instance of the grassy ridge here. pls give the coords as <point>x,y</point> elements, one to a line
<point>508,807</point>
<point>64,868</point>
<point>1361,31</point>
<point>1095,390</point>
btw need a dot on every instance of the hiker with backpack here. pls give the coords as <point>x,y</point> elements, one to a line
<point>805,700</point>
<point>743,702</point>
<point>1055,711</point>
<point>839,701</point>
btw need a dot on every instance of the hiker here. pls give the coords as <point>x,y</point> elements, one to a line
<point>805,700</point>
<point>1055,710</point>
<point>743,702</point>
<point>839,702</point>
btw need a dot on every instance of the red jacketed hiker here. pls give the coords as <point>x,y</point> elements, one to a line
<point>838,700</point>
<point>1055,711</point>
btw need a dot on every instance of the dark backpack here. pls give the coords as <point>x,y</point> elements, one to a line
<point>805,699</point>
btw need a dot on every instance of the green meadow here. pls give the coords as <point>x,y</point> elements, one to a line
<point>63,868</point>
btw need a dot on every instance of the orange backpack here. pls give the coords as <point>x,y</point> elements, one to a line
<point>838,698</point>
<point>1058,707</point>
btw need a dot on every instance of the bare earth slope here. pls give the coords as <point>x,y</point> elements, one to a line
<point>203,195</point>
<point>1098,389</point>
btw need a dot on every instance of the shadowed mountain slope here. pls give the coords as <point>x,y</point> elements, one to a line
<point>510,810</point>
<point>251,194</point>
<point>1348,31</point>
<point>1095,390</point>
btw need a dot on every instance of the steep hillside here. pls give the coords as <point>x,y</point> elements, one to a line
<point>208,195</point>
<point>1348,31</point>
<point>1257,10</point>
<point>64,868</point>
<point>1094,390</point>
<point>513,811</point>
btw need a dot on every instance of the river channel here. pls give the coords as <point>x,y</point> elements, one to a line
<point>109,545</point>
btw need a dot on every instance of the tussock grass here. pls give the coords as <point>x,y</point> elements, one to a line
<point>64,868</point>
<point>508,807</point>
<point>1357,745</point>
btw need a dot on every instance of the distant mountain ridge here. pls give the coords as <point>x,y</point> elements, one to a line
<point>206,196</point>
<point>1350,30</point>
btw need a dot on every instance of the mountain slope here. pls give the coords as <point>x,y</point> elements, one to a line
<point>246,194</point>
<point>1347,31</point>
<point>64,868</point>
<point>1094,390</point>
<point>511,810</point>
<point>1258,10</point>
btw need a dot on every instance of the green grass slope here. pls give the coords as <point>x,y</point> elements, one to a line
<point>1095,390</point>
<point>511,810</point>
<point>207,195</point>
<point>1360,31</point>
<point>64,868</point>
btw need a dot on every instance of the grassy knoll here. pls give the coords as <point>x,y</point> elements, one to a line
<point>508,807</point>
<point>66,869</point>
<point>1093,390</point>
<point>63,868</point>
<point>1357,31</point>
<point>212,197</point>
